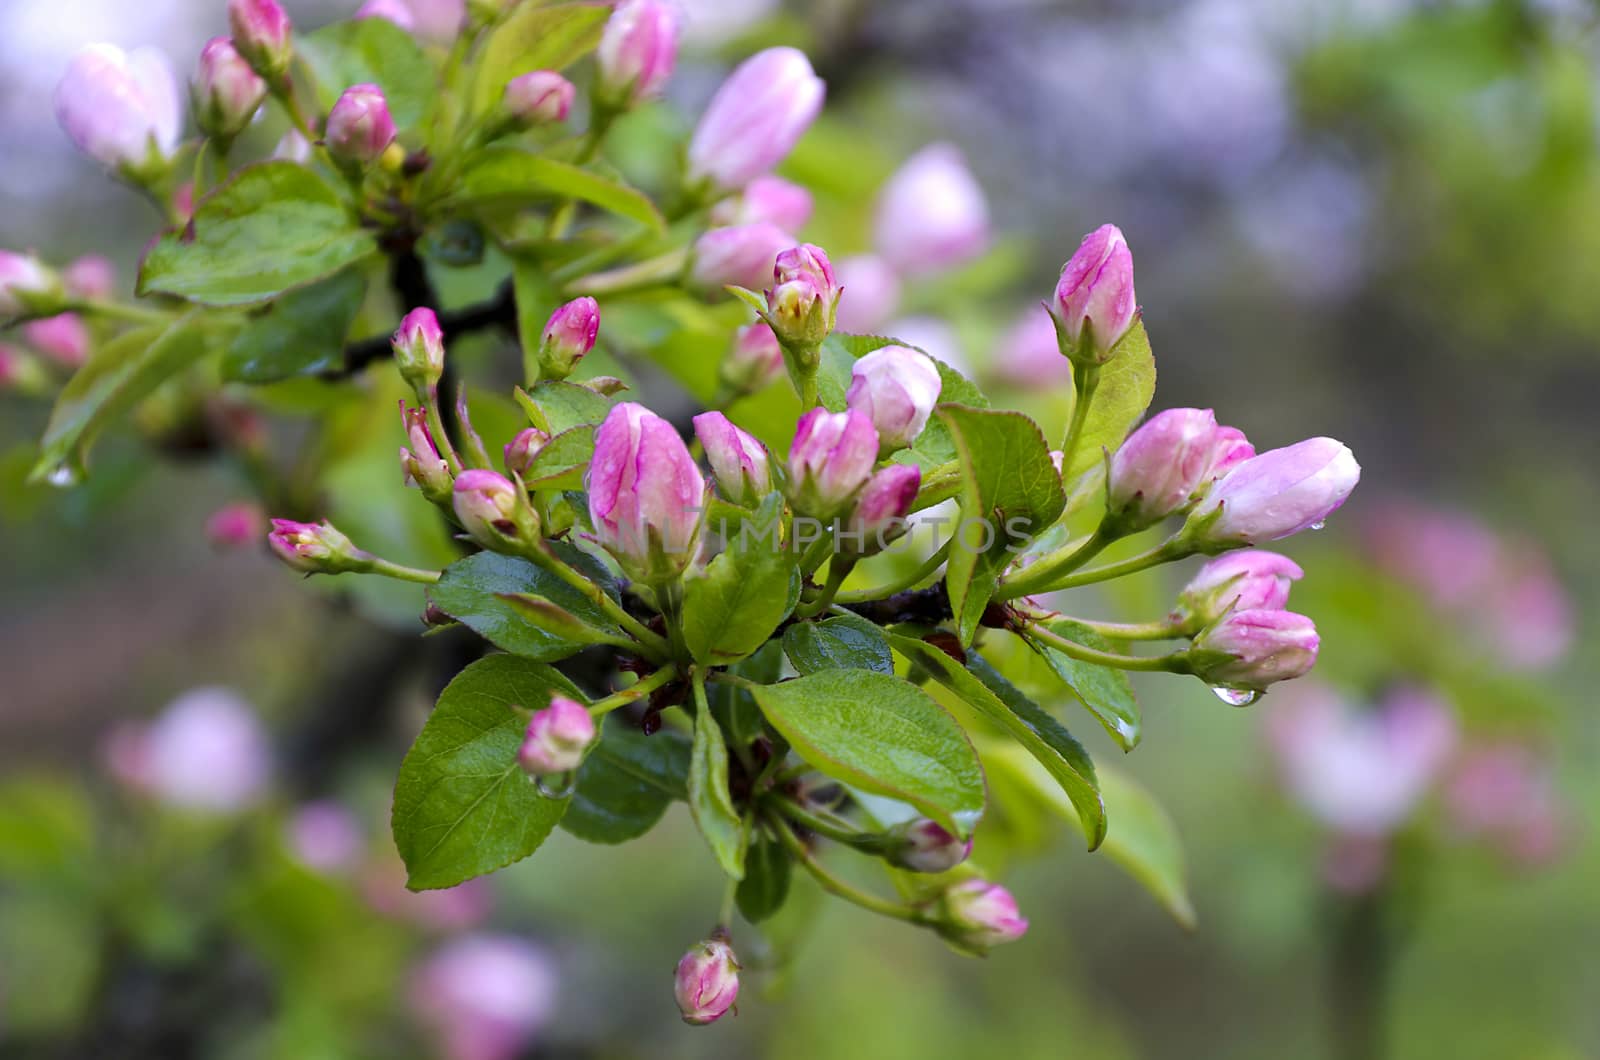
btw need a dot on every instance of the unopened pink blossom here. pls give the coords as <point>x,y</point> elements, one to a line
<point>771,199</point>
<point>1159,466</point>
<point>262,34</point>
<point>360,127</point>
<point>932,215</point>
<point>1251,650</point>
<point>897,388</point>
<point>738,255</point>
<point>756,359</point>
<point>1095,305</point>
<point>870,294</point>
<point>706,982</point>
<point>1245,580</point>
<point>739,463</point>
<point>638,50</point>
<point>755,118</point>
<point>539,98</point>
<point>226,91</point>
<point>485,997</point>
<point>63,338</point>
<point>645,493</point>
<point>923,845</point>
<point>1276,494</point>
<point>980,915</point>
<point>122,108</point>
<point>557,738</point>
<point>879,515</point>
<point>831,458</point>
<point>91,277</point>
<point>207,752</point>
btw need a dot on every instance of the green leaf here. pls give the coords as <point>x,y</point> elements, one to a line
<point>557,407</point>
<point>271,228</point>
<point>462,805</point>
<point>767,869</point>
<point>116,377</point>
<point>732,609</point>
<point>507,175</point>
<point>536,38</point>
<point>710,802</point>
<point>371,51</point>
<point>995,698</point>
<point>471,592</point>
<point>302,333</point>
<point>557,621</point>
<point>884,735</point>
<point>1106,692</point>
<point>1009,487</point>
<point>1127,383</point>
<point>627,782</point>
<point>847,642</point>
<point>562,462</point>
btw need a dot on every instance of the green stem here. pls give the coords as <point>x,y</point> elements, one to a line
<point>441,437</point>
<point>652,642</point>
<point>838,571</point>
<point>634,692</point>
<point>403,573</point>
<point>1085,381</point>
<point>838,887</point>
<point>911,581</point>
<point>1175,663</point>
<point>1064,560</point>
<point>808,391</point>
<point>118,311</point>
<point>284,93</point>
<point>838,831</point>
<point>1160,630</point>
<point>643,275</point>
<point>1166,552</point>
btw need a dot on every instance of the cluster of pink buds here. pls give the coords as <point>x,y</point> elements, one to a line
<point>1168,464</point>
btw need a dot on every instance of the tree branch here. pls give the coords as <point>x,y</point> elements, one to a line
<point>499,311</point>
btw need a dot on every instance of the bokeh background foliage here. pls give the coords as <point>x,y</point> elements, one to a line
<point>1376,219</point>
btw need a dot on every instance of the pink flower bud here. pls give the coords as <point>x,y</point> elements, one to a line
<point>183,202</point>
<point>521,450</point>
<point>121,108</point>
<point>707,981</point>
<point>390,10</point>
<point>925,846</point>
<point>261,33</point>
<point>739,256</point>
<point>870,295</point>
<point>1229,449</point>
<point>802,302</point>
<point>207,752</point>
<point>292,147</point>
<point>1249,580</point>
<point>418,346</point>
<point>830,459</point>
<point>492,509</point>
<point>1159,466</point>
<point>316,548</point>
<point>637,51</point>
<point>484,997</point>
<point>771,199</point>
<point>755,118</point>
<point>1248,650</point>
<point>226,91</point>
<point>235,525</point>
<point>979,915</point>
<point>63,338</point>
<point>539,98</point>
<point>325,837</point>
<point>90,277</point>
<point>1276,494</point>
<point>738,462</point>
<point>896,388</point>
<point>569,335</point>
<point>645,494</point>
<point>438,21</point>
<point>359,127</point>
<point>26,286</point>
<point>422,463</point>
<point>880,512</point>
<point>932,215</point>
<point>556,739</point>
<point>1029,355</point>
<point>756,360</point>
<point>1094,303</point>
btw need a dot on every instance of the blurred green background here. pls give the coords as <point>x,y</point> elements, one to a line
<point>1373,220</point>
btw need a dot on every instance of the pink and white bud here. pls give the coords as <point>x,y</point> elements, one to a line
<point>394,11</point>
<point>557,738</point>
<point>1029,355</point>
<point>226,92</point>
<point>926,846</point>
<point>802,302</point>
<point>1094,304</point>
<point>1250,580</point>
<point>1278,493</point>
<point>1361,771</point>
<point>493,510</point>
<point>122,108</point>
<point>262,34</point>
<point>978,915</point>
<point>755,118</point>
<point>64,338</point>
<point>637,51</point>
<point>325,837</point>
<point>771,199</point>
<point>931,214</point>
<point>542,97</point>
<point>91,277</point>
<point>521,451</point>
<point>896,388</point>
<point>207,753</point>
<point>1247,651</point>
<point>26,286</point>
<point>293,147</point>
<point>645,494</point>
<point>756,360</point>
<point>438,21</point>
<point>870,295</point>
<point>418,346</point>
<point>316,548</point>
<point>1159,466</point>
<point>738,256</point>
<point>830,460</point>
<point>360,127</point>
<point>706,983</point>
<point>485,997</point>
<point>1229,449</point>
<point>236,525</point>
<point>880,512</point>
<point>422,463</point>
<point>739,463</point>
<point>569,335</point>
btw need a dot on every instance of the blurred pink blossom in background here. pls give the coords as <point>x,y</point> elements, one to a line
<point>485,996</point>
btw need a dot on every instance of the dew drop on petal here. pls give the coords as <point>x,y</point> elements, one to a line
<point>559,786</point>
<point>1318,525</point>
<point>1236,697</point>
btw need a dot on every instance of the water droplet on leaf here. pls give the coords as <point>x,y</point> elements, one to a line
<point>557,786</point>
